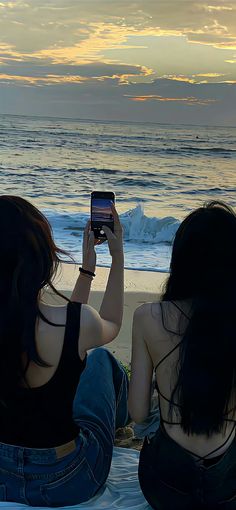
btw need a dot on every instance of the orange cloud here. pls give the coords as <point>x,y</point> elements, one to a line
<point>192,78</point>
<point>178,77</point>
<point>65,37</point>
<point>231,82</point>
<point>227,45</point>
<point>209,75</point>
<point>188,100</point>
<point>6,49</point>
<point>101,36</point>
<point>60,79</point>
<point>38,80</point>
<point>211,8</point>
<point>8,5</point>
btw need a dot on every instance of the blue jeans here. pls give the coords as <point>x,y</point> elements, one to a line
<point>41,477</point>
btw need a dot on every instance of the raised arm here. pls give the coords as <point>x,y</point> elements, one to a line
<point>111,310</point>
<point>99,328</point>
<point>82,287</point>
<point>141,370</point>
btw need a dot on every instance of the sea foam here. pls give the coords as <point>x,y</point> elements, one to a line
<point>136,225</point>
<point>144,229</point>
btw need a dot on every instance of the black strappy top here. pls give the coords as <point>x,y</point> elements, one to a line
<point>179,406</point>
<point>41,417</point>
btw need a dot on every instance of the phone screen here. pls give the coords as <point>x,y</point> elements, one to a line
<point>101,213</point>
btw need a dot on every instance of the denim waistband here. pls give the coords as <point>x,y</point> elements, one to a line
<point>40,455</point>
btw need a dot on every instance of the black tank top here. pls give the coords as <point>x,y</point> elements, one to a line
<point>41,417</point>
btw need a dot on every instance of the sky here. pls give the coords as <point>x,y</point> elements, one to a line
<point>167,61</point>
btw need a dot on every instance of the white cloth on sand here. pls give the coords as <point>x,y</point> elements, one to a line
<point>120,492</point>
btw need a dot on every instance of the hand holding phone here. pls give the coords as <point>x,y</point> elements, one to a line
<point>101,213</point>
<point>115,238</point>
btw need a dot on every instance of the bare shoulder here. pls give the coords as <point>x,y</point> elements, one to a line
<point>148,311</point>
<point>144,309</point>
<point>155,321</point>
<point>57,314</point>
<point>91,329</point>
<point>147,318</point>
<point>148,327</point>
<point>90,319</point>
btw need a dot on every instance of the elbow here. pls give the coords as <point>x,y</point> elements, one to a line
<point>118,328</point>
<point>117,325</point>
<point>137,415</point>
<point>110,335</point>
<point>115,330</point>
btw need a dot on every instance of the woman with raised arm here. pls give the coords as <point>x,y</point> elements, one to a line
<point>58,407</point>
<point>189,340</point>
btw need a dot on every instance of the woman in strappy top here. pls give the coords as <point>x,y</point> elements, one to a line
<point>189,340</point>
<point>58,407</point>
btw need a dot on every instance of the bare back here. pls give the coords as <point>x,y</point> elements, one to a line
<point>161,339</point>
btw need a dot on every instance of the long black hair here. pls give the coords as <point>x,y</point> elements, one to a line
<point>29,260</point>
<point>203,270</point>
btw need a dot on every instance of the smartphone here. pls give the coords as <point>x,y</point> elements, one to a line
<point>101,212</point>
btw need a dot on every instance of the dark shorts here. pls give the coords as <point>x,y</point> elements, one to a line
<point>171,479</point>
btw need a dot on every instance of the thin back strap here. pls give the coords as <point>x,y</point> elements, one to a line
<point>162,420</point>
<point>70,346</point>
<point>171,422</point>
<point>48,321</point>
<point>166,356</point>
<point>229,411</point>
<point>167,399</point>
<point>199,457</point>
<point>180,309</point>
<point>177,345</point>
<point>218,448</point>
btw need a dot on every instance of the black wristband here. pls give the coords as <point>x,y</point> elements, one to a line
<point>84,271</point>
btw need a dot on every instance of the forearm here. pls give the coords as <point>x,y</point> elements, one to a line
<point>81,290</point>
<point>113,300</point>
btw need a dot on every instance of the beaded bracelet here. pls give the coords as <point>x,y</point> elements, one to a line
<point>85,271</point>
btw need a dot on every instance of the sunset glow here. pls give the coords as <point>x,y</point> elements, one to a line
<point>95,60</point>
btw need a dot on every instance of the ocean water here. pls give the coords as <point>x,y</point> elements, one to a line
<point>159,173</point>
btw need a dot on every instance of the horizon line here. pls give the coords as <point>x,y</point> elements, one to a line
<point>114,121</point>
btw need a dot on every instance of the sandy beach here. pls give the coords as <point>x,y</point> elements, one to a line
<point>140,287</point>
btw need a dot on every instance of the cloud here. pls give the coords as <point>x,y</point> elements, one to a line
<point>188,100</point>
<point>162,100</point>
<point>93,70</point>
<point>11,5</point>
<point>212,8</point>
<point>209,75</point>
<point>193,78</point>
<point>39,80</point>
<point>98,53</point>
<point>180,77</point>
<point>45,25</point>
<point>67,32</point>
<point>46,74</point>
